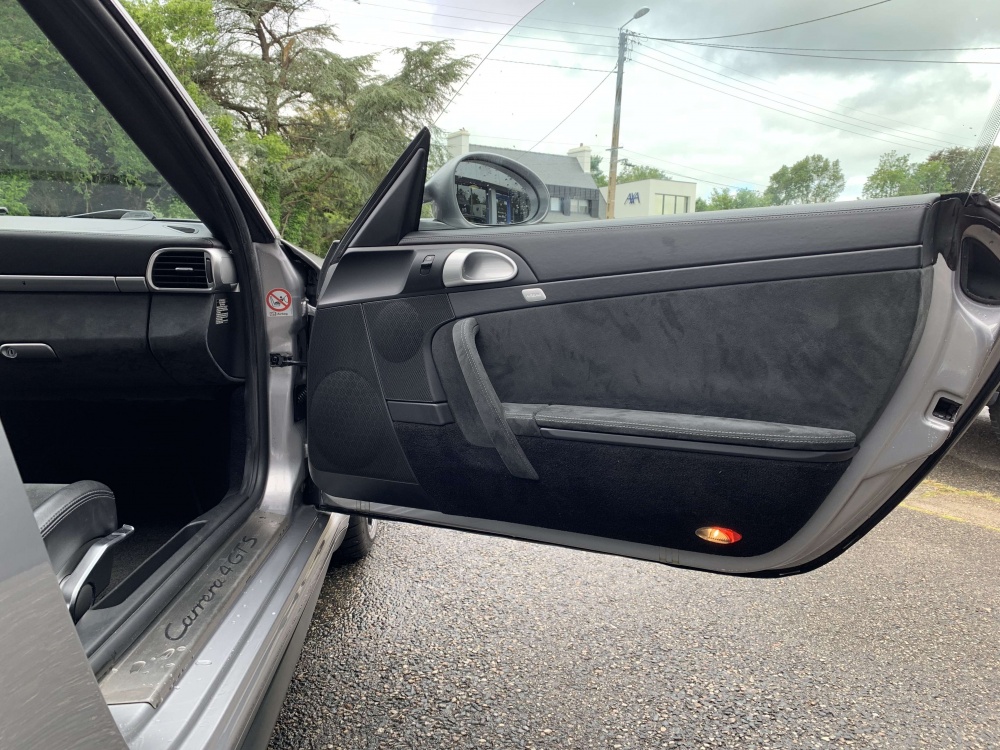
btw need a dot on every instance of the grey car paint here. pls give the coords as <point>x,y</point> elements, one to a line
<point>50,696</point>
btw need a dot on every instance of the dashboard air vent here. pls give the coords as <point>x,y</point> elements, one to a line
<point>181,269</point>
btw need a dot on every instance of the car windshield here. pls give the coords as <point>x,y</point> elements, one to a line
<point>723,104</point>
<point>726,104</point>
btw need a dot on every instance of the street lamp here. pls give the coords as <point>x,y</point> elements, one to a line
<point>613,166</point>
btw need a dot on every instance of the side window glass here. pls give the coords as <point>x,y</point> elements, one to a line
<point>61,152</point>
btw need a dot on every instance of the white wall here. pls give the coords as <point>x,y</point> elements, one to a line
<point>646,198</point>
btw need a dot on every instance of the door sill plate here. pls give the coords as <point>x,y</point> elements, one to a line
<point>152,666</point>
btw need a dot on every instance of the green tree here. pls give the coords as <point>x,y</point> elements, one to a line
<point>629,172</point>
<point>61,152</point>
<point>313,131</point>
<point>813,179</point>
<point>722,200</point>
<point>600,179</point>
<point>897,175</point>
<point>959,165</point>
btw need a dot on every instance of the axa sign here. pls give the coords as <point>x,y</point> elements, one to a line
<point>632,199</point>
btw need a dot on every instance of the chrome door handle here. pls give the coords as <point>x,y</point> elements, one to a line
<point>475,266</point>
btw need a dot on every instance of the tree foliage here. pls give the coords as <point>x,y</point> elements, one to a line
<point>897,175</point>
<point>725,199</point>
<point>629,172</point>
<point>60,150</point>
<point>313,131</point>
<point>959,165</point>
<point>600,179</point>
<point>812,179</point>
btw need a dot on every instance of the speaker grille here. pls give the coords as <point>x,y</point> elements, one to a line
<point>400,331</point>
<point>349,427</point>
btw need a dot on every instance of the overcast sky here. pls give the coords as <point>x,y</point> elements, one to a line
<point>758,115</point>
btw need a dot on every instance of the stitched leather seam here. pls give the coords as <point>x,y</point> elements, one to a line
<point>73,506</point>
<point>696,431</point>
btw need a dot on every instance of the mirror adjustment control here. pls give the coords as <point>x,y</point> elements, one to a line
<point>425,265</point>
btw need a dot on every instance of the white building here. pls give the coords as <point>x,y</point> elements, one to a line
<point>653,198</point>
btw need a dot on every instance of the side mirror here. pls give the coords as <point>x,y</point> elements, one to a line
<point>481,189</point>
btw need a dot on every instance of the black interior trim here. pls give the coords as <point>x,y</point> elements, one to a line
<point>25,283</point>
<point>564,251</point>
<point>372,273</point>
<point>672,426</point>
<point>420,412</point>
<point>368,489</point>
<point>692,446</point>
<point>478,301</point>
<point>45,246</point>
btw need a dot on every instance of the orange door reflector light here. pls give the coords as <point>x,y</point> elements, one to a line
<point>718,535</point>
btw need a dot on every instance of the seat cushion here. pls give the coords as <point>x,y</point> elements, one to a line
<point>70,516</point>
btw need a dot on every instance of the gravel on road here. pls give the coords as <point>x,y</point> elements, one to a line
<point>448,640</point>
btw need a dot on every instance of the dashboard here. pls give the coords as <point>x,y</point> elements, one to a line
<point>129,308</point>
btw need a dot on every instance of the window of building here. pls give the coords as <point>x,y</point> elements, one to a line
<point>672,204</point>
<point>579,206</point>
<point>555,204</point>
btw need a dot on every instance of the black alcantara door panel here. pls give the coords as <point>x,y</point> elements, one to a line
<point>682,373</point>
<point>644,495</point>
<point>821,352</point>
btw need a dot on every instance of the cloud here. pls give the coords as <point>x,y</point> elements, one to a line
<point>729,117</point>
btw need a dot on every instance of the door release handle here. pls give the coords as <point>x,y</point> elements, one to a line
<point>476,266</point>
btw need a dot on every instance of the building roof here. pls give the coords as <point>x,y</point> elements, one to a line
<point>552,169</point>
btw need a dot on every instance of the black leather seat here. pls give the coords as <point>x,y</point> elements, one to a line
<point>79,525</point>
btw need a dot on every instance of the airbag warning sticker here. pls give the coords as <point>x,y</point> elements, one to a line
<point>279,303</point>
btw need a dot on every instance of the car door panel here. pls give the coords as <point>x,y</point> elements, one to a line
<point>557,251</point>
<point>637,381</point>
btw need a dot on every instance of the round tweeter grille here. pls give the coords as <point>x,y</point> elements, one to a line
<point>397,333</point>
<point>349,408</point>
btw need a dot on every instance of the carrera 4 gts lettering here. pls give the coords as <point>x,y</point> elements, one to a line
<point>236,557</point>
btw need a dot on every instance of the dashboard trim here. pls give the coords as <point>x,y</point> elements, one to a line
<point>32,283</point>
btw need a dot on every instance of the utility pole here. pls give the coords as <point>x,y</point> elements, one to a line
<point>616,127</point>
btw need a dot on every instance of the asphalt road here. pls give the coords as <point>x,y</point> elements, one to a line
<point>447,640</point>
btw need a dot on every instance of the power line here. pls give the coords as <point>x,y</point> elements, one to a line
<point>544,65</point>
<point>696,169</point>
<point>835,57</point>
<point>519,16</point>
<point>845,49</point>
<point>484,20</point>
<point>697,179</point>
<point>779,28</point>
<point>841,106</point>
<point>478,66</point>
<point>790,114</point>
<point>573,111</point>
<point>926,140</point>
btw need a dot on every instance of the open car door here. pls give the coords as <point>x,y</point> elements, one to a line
<point>744,392</point>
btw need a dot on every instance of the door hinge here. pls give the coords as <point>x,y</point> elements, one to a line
<point>284,360</point>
